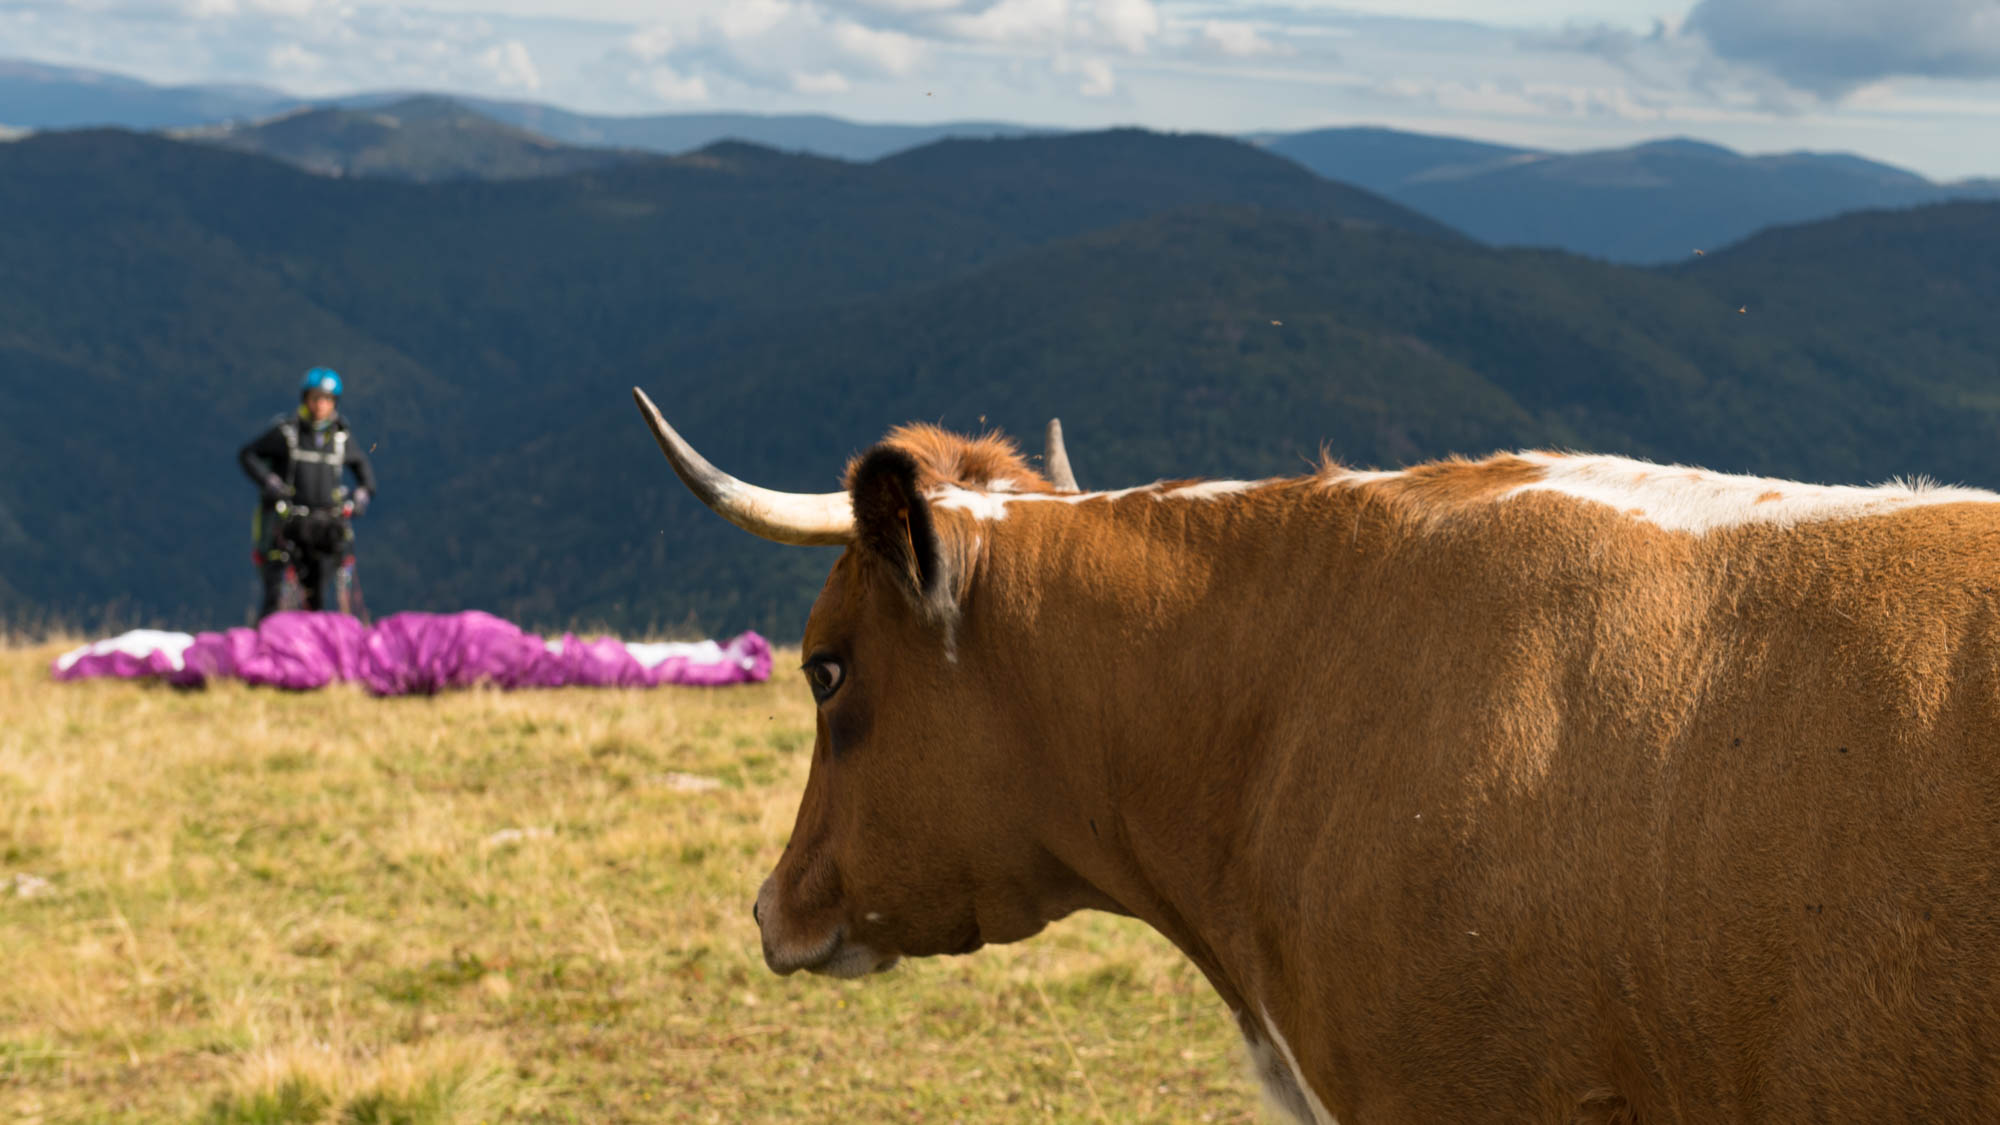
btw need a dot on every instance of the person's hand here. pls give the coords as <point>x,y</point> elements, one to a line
<point>360,501</point>
<point>274,488</point>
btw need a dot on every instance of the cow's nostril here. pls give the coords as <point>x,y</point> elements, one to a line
<point>756,915</point>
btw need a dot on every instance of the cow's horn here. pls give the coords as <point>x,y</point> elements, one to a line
<point>1057,459</point>
<point>798,518</point>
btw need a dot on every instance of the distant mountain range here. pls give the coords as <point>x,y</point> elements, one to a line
<point>422,138</point>
<point>812,133</point>
<point>37,96</point>
<point>1187,304</point>
<point>1651,203</point>
<point>1656,202</point>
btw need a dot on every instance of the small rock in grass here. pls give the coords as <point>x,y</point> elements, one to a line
<point>509,836</point>
<point>689,782</point>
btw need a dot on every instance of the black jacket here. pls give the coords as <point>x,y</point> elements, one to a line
<point>312,462</point>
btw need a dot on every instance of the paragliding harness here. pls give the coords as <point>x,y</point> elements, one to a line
<point>300,529</point>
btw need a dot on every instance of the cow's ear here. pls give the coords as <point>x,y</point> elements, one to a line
<point>892,521</point>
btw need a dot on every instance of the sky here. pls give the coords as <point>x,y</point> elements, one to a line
<point>1912,82</point>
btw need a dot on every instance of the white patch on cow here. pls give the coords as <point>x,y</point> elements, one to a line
<point>991,505</point>
<point>1679,498</point>
<point>1208,490</point>
<point>1004,484</point>
<point>980,505</point>
<point>874,917</point>
<point>1277,1070</point>
<point>1361,476</point>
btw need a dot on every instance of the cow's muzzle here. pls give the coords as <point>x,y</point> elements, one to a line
<point>832,955</point>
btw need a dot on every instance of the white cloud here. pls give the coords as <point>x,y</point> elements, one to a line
<point>512,66</point>
<point>765,47</point>
<point>224,9</point>
<point>1671,64</point>
<point>1098,79</point>
<point>890,52</point>
<point>651,44</point>
<point>905,6</point>
<point>293,59</point>
<point>748,19</point>
<point>1127,26</point>
<point>1012,21</point>
<point>1239,40</point>
<point>762,45</point>
<point>284,7</point>
<point>1540,100</point>
<point>1513,13</point>
<point>1832,47</point>
<point>669,85</point>
<point>1738,69</point>
<point>1128,23</point>
<point>825,82</point>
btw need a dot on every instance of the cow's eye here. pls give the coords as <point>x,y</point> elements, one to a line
<point>825,675</point>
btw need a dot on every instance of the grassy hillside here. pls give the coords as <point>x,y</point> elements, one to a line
<point>240,906</point>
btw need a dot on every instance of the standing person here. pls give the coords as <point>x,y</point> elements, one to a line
<point>300,465</point>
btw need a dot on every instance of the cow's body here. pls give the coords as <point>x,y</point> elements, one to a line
<point>1519,808</point>
<point>1536,789</point>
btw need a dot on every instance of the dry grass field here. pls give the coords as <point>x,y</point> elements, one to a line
<point>241,906</point>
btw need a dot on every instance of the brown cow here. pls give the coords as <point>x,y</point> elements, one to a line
<point>1534,789</point>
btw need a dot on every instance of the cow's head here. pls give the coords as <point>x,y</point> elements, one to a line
<point>917,833</point>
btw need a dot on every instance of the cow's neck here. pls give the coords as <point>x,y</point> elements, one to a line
<point>1174,641</point>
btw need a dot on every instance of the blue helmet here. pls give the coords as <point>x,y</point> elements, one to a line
<point>320,379</point>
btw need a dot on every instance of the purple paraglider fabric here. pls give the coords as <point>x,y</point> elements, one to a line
<point>412,654</point>
<point>289,650</point>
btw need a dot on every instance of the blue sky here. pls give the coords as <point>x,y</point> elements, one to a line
<point>1914,82</point>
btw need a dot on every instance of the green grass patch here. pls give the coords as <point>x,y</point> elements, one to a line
<point>251,906</point>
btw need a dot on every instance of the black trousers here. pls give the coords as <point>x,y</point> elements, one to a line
<point>314,551</point>
<point>317,574</point>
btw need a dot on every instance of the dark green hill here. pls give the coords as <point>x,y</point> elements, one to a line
<point>1187,305</point>
<point>1041,182</point>
<point>423,138</point>
<point>1234,342</point>
<point>1383,160</point>
<point>157,300</point>
<point>1896,310</point>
